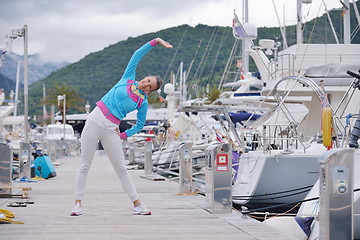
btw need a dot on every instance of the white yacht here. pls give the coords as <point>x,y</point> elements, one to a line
<point>283,166</point>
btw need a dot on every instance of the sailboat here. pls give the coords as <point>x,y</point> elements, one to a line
<point>286,167</point>
<point>310,206</point>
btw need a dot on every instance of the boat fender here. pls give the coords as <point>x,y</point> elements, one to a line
<point>327,127</point>
<point>355,134</point>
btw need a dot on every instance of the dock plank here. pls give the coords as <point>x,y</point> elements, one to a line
<point>108,211</point>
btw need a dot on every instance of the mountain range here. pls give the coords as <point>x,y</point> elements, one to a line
<point>37,68</point>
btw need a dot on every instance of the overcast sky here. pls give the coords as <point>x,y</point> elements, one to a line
<point>70,29</point>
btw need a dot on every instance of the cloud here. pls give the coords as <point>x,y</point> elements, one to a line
<point>70,29</point>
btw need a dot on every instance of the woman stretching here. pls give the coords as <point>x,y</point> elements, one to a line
<point>103,125</point>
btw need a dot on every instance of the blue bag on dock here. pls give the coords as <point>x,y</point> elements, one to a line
<point>44,167</point>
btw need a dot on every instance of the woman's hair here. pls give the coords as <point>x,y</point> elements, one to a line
<point>159,81</point>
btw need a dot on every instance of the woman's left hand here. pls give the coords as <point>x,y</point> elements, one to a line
<point>163,43</point>
<point>117,131</point>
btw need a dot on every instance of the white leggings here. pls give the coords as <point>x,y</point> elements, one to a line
<point>91,134</point>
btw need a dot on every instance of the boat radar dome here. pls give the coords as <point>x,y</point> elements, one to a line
<point>251,30</point>
<point>169,89</point>
<point>248,75</point>
<point>267,44</point>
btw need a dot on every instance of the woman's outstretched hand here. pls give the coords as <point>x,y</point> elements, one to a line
<point>163,43</point>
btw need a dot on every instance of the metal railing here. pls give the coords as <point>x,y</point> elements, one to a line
<point>59,148</point>
<point>281,137</point>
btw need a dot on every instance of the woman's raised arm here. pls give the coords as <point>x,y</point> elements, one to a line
<point>163,43</point>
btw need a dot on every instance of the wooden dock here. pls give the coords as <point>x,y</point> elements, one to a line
<point>107,211</point>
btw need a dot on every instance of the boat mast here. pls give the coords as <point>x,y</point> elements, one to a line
<point>26,85</point>
<point>346,21</point>
<point>331,24</point>
<point>299,35</point>
<point>181,81</point>
<point>17,88</point>
<point>245,44</point>
<point>44,107</point>
<point>282,27</point>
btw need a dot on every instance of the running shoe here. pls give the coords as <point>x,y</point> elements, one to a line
<point>76,211</point>
<point>141,210</point>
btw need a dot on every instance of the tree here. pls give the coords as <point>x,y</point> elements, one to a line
<point>73,99</point>
<point>213,94</point>
<point>155,99</point>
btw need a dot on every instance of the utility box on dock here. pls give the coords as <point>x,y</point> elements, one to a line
<point>186,170</point>
<point>5,170</point>
<point>218,173</point>
<point>148,165</point>
<point>148,158</point>
<point>336,194</point>
<point>25,160</point>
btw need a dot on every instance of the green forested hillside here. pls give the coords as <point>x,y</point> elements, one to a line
<point>208,46</point>
<point>96,73</point>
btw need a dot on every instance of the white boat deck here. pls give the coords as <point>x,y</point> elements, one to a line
<point>107,211</point>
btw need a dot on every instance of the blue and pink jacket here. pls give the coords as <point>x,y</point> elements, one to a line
<point>125,96</point>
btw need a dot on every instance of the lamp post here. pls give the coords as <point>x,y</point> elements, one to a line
<point>59,98</point>
<point>15,33</point>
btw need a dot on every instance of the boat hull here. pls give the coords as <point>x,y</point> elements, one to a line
<point>275,179</point>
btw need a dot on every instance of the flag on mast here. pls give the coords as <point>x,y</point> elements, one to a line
<point>238,29</point>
